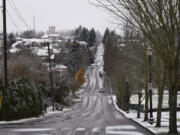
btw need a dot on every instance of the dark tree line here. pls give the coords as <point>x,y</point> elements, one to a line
<point>83,34</point>
<point>79,56</point>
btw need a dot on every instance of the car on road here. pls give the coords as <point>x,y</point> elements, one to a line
<point>101,90</point>
<point>100,74</point>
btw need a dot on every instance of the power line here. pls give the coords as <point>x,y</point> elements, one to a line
<point>9,15</point>
<point>18,13</point>
<point>13,6</point>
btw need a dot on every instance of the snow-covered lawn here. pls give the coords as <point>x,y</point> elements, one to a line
<point>134,100</point>
<point>165,119</point>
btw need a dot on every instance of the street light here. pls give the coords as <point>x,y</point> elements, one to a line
<point>127,95</point>
<point>149,53</point>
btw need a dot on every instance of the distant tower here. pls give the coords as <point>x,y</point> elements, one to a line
<point>34,23</point>
<point>52,30</point>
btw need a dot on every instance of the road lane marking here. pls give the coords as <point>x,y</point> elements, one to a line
<point>125,130</point>
<point>41,134</point>
<point>124,127</point>
<point>31,129</point>
<point>123,133</point>
<point>96,130</point>
<point>80,129</point>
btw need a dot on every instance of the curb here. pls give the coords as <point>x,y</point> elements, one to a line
<point>134,120</point>
<point>143,126</point>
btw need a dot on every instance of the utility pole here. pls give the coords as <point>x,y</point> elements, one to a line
<point>34,23</point>
<point>5,44</point>
<point>51,77</point>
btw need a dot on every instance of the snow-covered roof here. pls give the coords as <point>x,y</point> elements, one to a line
<point>14,50</point>
<point>121,45</point>
<point>15,44</point>
<point>28,41</point>
<point>53,35</point>
<point>55,51</point>
<point>37,50</point>
<point>40,51</point>
<point>60,66</point>
<point>18,38</point>
<point>52,56</point>
<point>82,43</point>
<point>59,41</point>
<point>45,37</point>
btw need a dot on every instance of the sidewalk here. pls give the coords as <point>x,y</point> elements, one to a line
<point>132,115</point>
<point>49,113</point>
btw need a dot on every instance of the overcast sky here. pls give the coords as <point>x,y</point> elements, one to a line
<point>64,14</point>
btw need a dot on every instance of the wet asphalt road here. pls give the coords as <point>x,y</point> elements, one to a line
<point>95,116</point>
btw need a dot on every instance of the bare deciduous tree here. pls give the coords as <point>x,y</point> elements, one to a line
<point>159,20</point>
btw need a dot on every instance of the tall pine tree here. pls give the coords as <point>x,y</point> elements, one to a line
<point>92,37</point>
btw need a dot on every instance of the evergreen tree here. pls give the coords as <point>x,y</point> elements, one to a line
<point>22,99</point>
<point>106,34</point>
<point>28,34</point>
<point>78,31</point>
<point>84,36</point>
<point>92,37</point>
<point>12,39</point>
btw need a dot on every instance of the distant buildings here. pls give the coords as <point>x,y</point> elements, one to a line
<point>52,30</point>
<point>51,34</point>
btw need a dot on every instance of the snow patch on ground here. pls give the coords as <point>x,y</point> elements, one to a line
<point>133,115</point>
<point>134,100</point>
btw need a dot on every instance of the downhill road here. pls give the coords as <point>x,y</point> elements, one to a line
<point>95,116</point>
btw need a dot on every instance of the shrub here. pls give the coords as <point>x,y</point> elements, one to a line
<point>22,99</point>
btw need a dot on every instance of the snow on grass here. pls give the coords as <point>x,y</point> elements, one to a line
<point>133,115</point>
<point>134,100</point>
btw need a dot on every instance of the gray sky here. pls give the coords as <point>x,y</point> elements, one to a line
<point>64,14</point>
